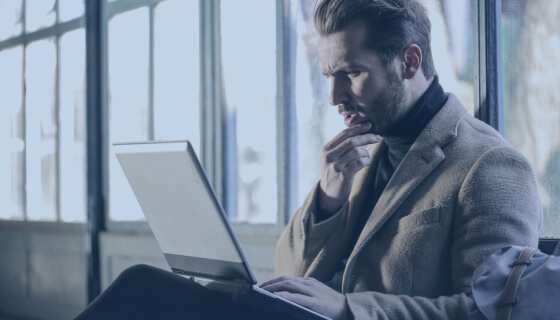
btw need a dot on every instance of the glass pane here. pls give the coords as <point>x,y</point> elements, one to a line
<point>452,47</point>
<point>72,115</point>
<point>39,14</point>
<point>318,122</point>
<point>11,135</point>
<point>249,68</point>
<point>10,18</point>
<point>70,9</point>
<point>531,65</point>
<point>176,71</point>
<point>128,47</point>
<point>41,131</point>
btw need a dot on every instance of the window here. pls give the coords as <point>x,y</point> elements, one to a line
<point>152,83</point>
<point>42,49</point>
<point>531,69</point>
<point>245,88</point>
<point>249,78</point>
<point>11,137</point>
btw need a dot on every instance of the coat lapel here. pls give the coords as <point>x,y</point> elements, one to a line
<point>414,168</point>
<point>423,157</point>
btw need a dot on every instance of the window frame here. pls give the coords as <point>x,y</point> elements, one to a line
<point>56,31</point>
<point>488,63</point>
<point>213,154</point>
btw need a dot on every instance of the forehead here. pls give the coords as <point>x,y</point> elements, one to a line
<point>347,46</point>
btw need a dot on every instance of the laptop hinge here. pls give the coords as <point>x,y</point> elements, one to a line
<point>233,287</point>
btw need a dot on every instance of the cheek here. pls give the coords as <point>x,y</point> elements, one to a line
<point>365,90</point>
<point>361,90</point>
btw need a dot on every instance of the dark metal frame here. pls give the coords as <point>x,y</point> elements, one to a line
<point>489,96</point>
<point>95,161</point>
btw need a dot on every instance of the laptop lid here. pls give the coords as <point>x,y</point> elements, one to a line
<point>182,210</point>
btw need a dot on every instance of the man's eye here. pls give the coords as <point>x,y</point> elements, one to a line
<point>354,73</point>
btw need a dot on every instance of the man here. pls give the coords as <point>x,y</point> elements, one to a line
<point>396,225</point>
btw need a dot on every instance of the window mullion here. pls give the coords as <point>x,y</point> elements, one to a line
<point>489,96</point>
<point>58,139</point>
<point>96,174</point>
<point>211,97</point>
<point>151,126</point>
<point>286,113</point>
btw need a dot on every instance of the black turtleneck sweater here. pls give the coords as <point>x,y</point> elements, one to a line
<point>402,136</point>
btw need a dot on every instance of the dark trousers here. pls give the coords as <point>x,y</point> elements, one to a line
<point>144,292</point>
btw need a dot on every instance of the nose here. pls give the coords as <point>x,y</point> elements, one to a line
<point>339,91</point>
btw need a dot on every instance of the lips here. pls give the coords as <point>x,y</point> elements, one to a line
<point>352,118</point>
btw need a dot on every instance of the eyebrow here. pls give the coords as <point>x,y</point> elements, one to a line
<point>342,69</point>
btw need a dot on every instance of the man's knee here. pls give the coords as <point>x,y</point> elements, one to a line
<point>136,273</point>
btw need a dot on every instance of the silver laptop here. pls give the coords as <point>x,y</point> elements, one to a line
<point>190,224</point>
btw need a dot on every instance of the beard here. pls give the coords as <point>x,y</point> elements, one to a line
<point>386,109</point>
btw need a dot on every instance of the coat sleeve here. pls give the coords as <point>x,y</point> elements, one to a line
<point>307,241</point>
<point>498,204</point>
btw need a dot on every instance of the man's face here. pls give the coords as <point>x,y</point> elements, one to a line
<point>363,89</point>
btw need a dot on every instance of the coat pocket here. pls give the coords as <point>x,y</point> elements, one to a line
<point>415,220</point>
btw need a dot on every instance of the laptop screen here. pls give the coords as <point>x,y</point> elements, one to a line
<point>180,207</point>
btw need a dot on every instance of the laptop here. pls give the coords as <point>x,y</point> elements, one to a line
<point>190,224</point>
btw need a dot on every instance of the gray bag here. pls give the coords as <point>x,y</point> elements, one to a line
<point>518,283</point>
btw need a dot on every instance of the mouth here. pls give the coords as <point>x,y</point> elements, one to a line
<point>352,118</point>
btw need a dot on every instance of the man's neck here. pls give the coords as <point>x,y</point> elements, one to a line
<point>417,86</point>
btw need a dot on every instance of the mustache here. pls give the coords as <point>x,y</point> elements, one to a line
<point>348,107</point>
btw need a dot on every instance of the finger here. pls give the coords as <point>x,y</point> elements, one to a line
<point>353,167</point>
<point>350,144</point>
<point>291,286</point>
<point>306,281</point>
<point>275,280</point>
<point>352,155</point>
<point>347,133</point>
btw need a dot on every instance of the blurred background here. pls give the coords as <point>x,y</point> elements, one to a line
<point>240,79</point>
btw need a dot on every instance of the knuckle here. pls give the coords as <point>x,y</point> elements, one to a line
<point>338,167</point>
<point>291,284</point>
<point>329,157</point>
<point>354,141</point>
<point>357,152</point>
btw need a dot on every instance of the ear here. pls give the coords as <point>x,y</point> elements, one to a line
<point>412,61</point>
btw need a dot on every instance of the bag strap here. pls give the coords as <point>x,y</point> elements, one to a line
<point>556,251</point>
<point>508,299</point>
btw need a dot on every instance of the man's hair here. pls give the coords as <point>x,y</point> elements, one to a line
<point>392,25</point>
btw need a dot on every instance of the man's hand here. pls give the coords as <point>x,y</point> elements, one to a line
<point>342,157</point>
<point>311,294</point>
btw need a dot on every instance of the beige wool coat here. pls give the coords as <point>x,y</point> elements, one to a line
<point>460,193</point>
